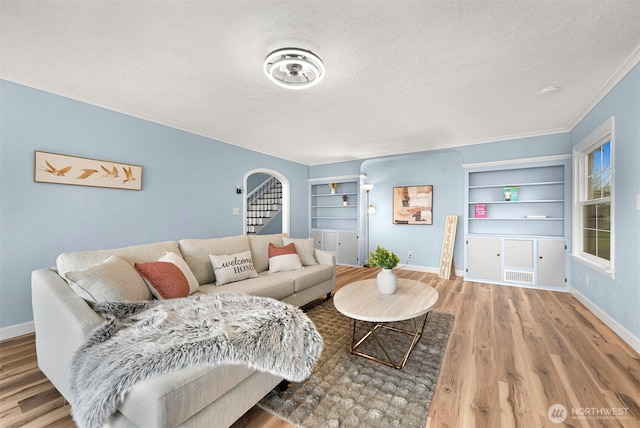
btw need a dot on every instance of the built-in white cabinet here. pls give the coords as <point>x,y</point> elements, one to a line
<point>343,244</point>
<point>527,262</point>
<point>551,262</point>
<point>485,260</point>
<point>516,222</point>
<point>334,217</point>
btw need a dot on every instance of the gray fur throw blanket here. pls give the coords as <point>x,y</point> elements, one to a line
<point>140,340</point>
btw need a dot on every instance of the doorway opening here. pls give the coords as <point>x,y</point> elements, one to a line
<point>266,205</point>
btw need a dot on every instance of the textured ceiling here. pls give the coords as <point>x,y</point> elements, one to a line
<point>401,76</point>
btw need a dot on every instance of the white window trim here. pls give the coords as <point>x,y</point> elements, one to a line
<point>583,148</point>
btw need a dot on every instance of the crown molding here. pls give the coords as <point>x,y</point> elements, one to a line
<point>618,75</point>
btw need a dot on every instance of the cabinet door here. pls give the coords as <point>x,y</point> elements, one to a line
<point>347,248</point>
<point>330,241</point>
<point>316,235</point>
<point>551,262</point>
<point>483,258</point>
<point>518,253</point>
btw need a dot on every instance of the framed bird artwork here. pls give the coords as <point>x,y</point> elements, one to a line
<point>64,169</point>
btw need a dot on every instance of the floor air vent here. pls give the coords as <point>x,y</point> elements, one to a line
<point>517,276</point>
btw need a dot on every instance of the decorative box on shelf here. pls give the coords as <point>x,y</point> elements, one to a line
<point>481,211</point>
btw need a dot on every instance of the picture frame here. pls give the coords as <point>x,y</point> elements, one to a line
<point>413,205</point>
<point>65,169</point>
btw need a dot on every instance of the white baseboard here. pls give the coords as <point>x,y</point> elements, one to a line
<point>427,269</point>
<point>614,325</point>
<point>16,330</point>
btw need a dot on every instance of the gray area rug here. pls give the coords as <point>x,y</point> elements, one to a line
<point>346,390</point>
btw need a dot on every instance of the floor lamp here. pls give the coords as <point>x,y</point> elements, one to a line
<point>370,210</point>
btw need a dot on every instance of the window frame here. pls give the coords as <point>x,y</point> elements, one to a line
<point>580,153</point>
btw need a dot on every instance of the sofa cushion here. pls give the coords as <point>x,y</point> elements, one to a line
<point>266,285</point>
<point>283,258</point>
<point>184,267</point>
<point>260,249</point>
<point>137,253</point>
<point>112,279</point>
<point>305,249</point>
<point>232,267</point>
<point>308,276</point>
<point>172,398</point>
<point>164,279</point>
<point>196,253</point>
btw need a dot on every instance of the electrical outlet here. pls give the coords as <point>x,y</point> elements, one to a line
<point>410,253</point>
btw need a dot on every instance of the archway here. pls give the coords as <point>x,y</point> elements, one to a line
<point>286,194</point>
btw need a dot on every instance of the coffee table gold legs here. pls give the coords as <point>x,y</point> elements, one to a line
<point>374,327</point>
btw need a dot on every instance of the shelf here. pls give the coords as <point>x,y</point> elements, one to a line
<point>541,183</point>
<point>334,206</point>
<point>334,218</point>
<point>542,189</point>
<point>328,215</point>
<point>333,229</point>
<point>322,195</point>
<point>537,201</point>
<point>519,218</point>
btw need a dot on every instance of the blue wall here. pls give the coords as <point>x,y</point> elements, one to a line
<point>443,169</point>
<point>619,297</point>
<point>189,191</point>
<point>188,187</point>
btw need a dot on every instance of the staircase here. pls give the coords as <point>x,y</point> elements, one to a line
<point>263,203</point>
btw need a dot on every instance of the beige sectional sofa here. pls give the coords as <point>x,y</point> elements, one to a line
<point>192,397</point>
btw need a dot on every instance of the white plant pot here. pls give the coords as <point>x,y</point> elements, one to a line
<point>387,281</point>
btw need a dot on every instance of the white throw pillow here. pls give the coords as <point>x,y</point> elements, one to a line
<point>233,267</point>
<point>305,249</point>
<point>184,267</point>
<point>283,258</point>
<point>113,279</point>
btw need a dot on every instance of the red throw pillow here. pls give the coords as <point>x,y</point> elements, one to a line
<point>165,279</point>
<point>283,258</point>
<point>278,251</point>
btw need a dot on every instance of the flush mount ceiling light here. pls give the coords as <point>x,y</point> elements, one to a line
<point>294,68</point>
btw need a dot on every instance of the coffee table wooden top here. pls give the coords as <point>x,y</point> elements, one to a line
<point>362,301</point>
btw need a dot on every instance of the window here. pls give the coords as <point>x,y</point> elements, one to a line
<point>593,167</point>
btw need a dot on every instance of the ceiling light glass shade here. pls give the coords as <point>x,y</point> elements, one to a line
<point>367,187</point>
<point>294,68</point>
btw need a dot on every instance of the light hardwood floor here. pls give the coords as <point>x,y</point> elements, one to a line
<point>513,352</point>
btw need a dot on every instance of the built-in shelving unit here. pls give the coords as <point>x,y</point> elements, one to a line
<point>334,216</point>
<point>516,221</point>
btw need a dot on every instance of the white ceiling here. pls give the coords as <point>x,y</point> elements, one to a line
<point>401,76</point>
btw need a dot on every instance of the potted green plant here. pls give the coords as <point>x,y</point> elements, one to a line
<point>386,280</point>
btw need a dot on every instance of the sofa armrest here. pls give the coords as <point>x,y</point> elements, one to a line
<point>325,258</point>
<point>62,321</point>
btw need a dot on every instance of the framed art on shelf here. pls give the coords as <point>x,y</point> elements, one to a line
<point>413,205</point>
<point>64,169</point>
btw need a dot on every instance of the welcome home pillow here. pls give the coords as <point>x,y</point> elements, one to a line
<point>283,258</point>
<point>165,279</point>
<point>232,267</point>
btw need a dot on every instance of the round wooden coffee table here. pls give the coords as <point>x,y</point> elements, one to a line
<point>361,301</point>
